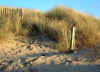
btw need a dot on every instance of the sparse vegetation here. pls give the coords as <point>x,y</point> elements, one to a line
<point>55,23</point>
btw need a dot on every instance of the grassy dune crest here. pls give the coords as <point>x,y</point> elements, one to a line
<point>56,23</point>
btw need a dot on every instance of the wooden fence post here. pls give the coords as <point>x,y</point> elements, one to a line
<point>72,41</point>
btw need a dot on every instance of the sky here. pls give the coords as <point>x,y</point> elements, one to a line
<point>91,7</point>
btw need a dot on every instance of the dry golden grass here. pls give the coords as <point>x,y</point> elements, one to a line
<point>56,23</point>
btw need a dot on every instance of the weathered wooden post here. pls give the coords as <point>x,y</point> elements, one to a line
<point>21,12</point>
<point>11,11</point>
<point>1,11</point>
<point>19,18</point>
<point>72,40</point>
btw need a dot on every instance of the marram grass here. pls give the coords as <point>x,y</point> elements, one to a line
<point>56,23</point>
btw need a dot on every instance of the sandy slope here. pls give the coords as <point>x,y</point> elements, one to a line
<point>21,56</point>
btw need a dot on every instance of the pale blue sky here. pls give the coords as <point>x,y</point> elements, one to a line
<point>88,6</point>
